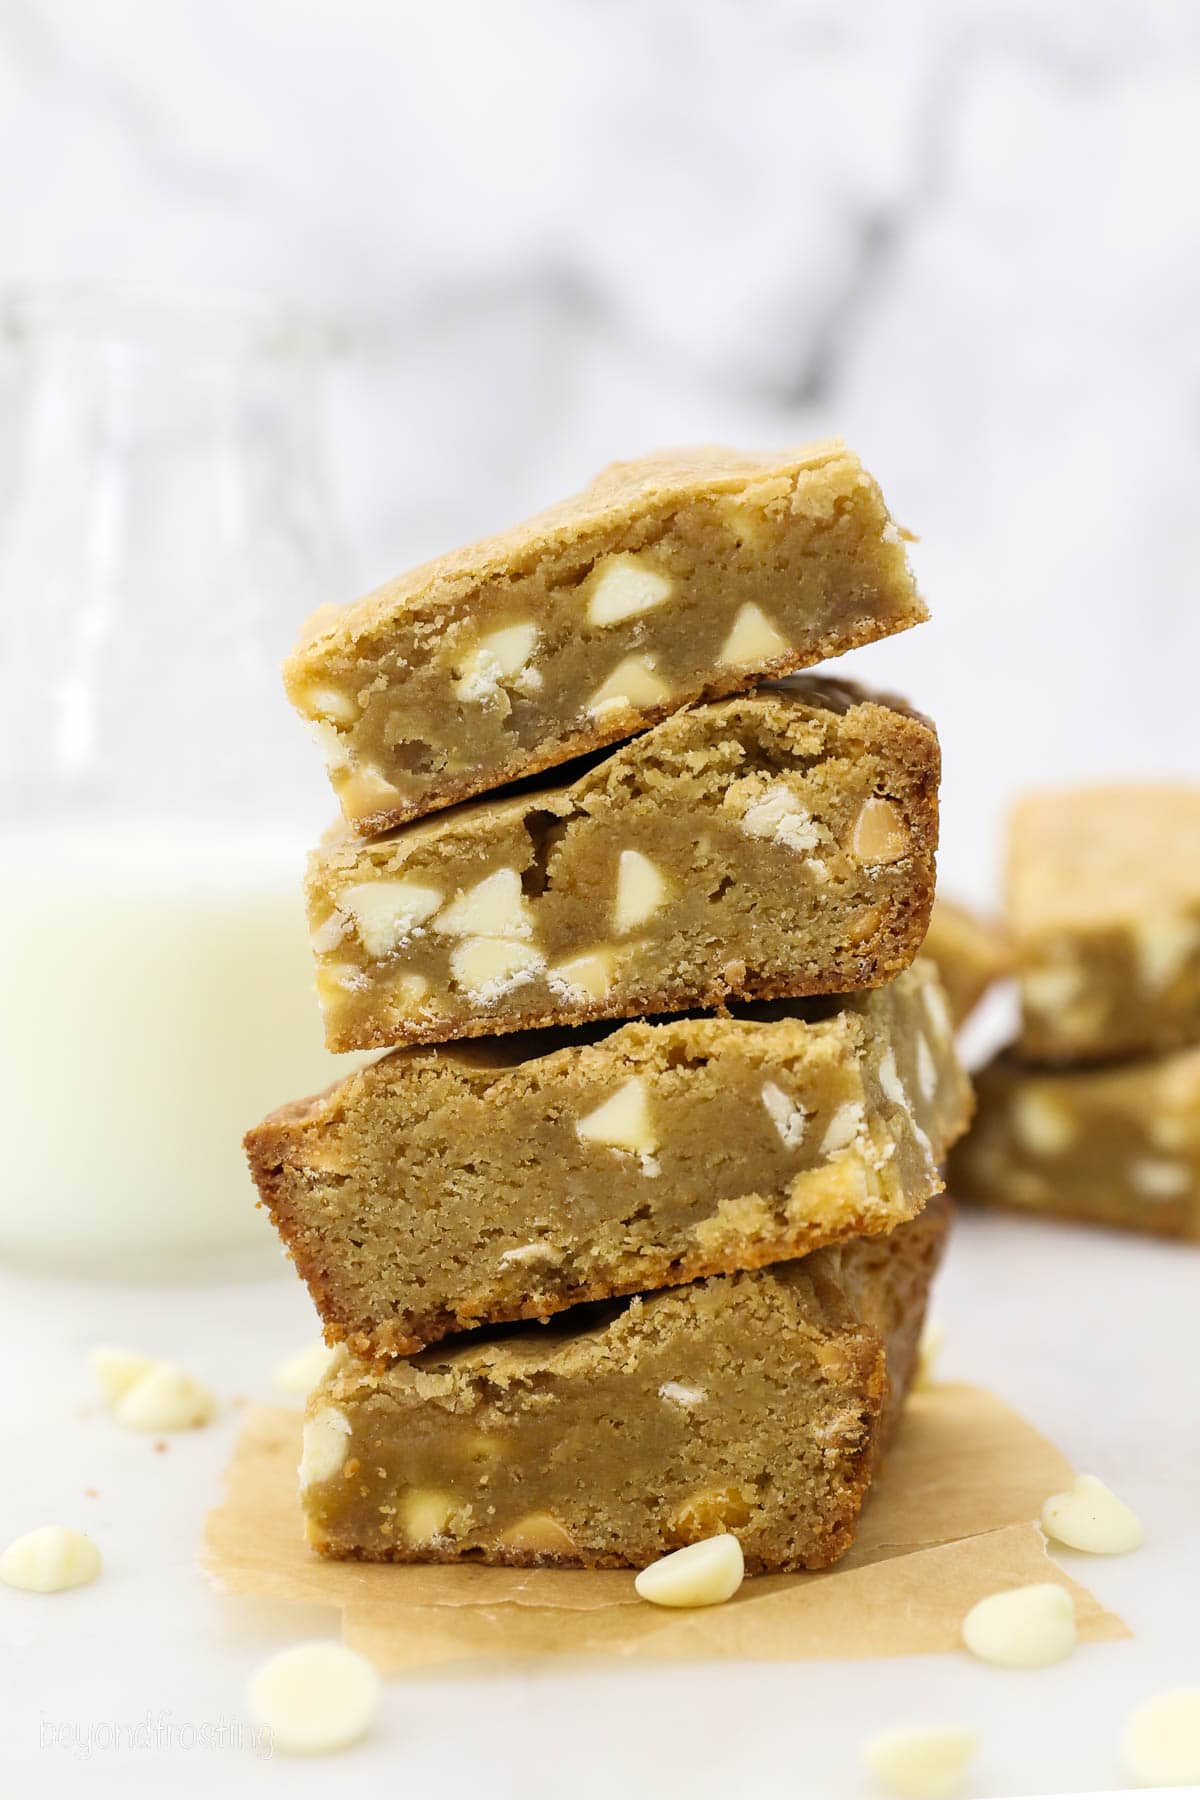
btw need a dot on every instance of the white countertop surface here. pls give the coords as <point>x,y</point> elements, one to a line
<point>1093,1336</point>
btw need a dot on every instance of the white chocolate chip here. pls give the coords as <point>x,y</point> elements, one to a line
<point>641,891</point>
<point>300,1372</point>
<point>632,683</point>
<point>1042,1124</point>
<point>326,1441</point>
<point>889,1079</point>
<point>845,1125</point>
<point>788,1116</point>
<point>425,1513</point>
<point>326,937</point>
<point>165,1398</point>
<point>500,656</point>
<point>50,1559</point>
<point>331,743</point>
<point>495,907</point>
<point>365,791</point>
<point>530,1253</point>
<point>678,1393</point>
<point>324,702</point>
<point>752,640</point>
<point>927,1075</point>
<point>921,1762</point>
<point>1161,1746</point>
<point>703,1574</point>
<point>1090,1517</point>
<point>314,1698</point>
<point>386,913</point>
<point>117,1370</point>
<point>1163,944</point>
<point>485,968</point>
<point>409,991</point>
<point>1023,1628</point>
<point>777,814</point>
<point>939,1011</point>
<point>540,1532</point>
<point>1157,1179</point>
<point>586,977</point>
<point>1050,990</point>
<point>623,1121</point>
<point>623,587</point>
<point>880,835</point>
<point>928,1351</point>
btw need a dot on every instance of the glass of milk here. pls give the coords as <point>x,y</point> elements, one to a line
<point>165,524</point>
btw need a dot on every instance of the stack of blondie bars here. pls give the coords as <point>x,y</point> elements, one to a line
<point>1094,1113</point>
<point>627,1241</point>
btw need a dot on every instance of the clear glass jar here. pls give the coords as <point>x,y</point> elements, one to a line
<point>167,525</point>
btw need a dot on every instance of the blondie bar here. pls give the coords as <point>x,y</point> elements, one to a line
<point>970,953</point>
<point>1117,1144</point>
<point>755,1403</point>
<point>681,577</point>
<point>1104,898</point>
<point>439,1189</point>
<point>776,844</point>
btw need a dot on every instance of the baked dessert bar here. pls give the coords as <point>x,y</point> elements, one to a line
<point>680,577</point>
<point>1104,898</point>
<point>754,1403</point>
<point>1117,1144</point>
<point>971,953</point>
<point>780,843</point>
<point>439,1189</point>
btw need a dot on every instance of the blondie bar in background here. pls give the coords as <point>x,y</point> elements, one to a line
<point>1094,1113</point>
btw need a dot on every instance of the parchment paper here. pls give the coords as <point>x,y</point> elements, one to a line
<point>950,1520</point>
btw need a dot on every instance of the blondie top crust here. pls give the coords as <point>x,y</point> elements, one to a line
<point>1117,1144</point>
<point>680,577</point>
<point>755,1403</point>
<point>439,1189</point>
<point>971,953</point>
<point>1104,899</point>
<point>777,844</point>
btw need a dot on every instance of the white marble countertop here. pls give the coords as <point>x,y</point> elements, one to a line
<point>1093,1336</point>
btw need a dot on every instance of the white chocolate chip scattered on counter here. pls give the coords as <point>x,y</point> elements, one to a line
<point>300,1372</point>
<point>702,1574</point>
<point>1090,1517</point>
<point>314,1698</point>
<point>1161,1746</point>
<point>165,1398</point>
<point>117,1370</point>
<point>50,1559</point>
<point>921,1762</point>
<point>1023,1628</point>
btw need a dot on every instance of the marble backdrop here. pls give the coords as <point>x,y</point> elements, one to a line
<point>963,233</point>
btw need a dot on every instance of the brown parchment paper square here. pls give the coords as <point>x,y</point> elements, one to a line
<point>950,1520</point>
